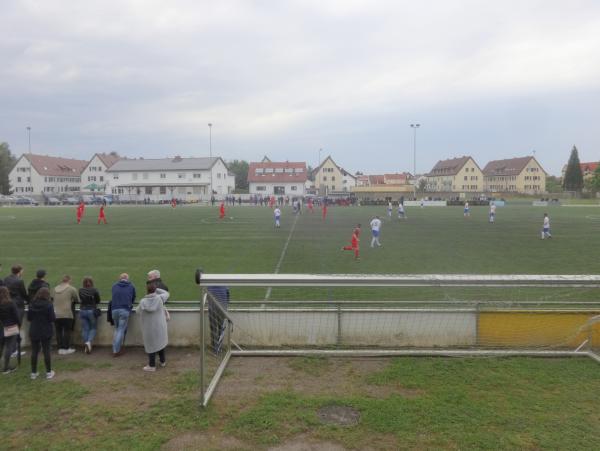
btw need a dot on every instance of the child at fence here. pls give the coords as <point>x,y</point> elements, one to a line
<point>153,321</point>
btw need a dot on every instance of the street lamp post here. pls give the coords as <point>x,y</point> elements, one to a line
<point>210,154</point>
<point>29,137</point>
<point>415,127</point>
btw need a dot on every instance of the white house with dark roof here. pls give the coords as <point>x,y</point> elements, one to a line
<point>277,178</point>
<point>42,175</point>
<point>517,175</point>
<point>94,174</point>
<point>161,179</point>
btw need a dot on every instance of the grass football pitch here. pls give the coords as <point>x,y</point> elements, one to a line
<point>176,241</point>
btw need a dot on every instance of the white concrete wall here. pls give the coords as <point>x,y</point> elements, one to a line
<point>280,328</point>
<point>270,188</point>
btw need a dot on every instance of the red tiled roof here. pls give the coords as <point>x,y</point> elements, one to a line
<point>46,165</point>
<point>449,167</point>
<point>510,166</point>
<point>108,159</point>
<point>294,172</point>
<point>588,167</point>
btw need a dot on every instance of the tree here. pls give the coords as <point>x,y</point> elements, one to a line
<point>573,180</point>
<point>240,169</point>
<point>594,181</point>
<point>7,161</point>
<point>422,184</point>
<point>553,184</point>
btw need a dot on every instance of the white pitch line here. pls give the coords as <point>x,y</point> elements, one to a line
<point>285,247</point>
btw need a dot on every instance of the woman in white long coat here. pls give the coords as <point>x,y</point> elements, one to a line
<point>153,319</point>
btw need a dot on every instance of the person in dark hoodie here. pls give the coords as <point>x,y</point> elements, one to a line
<point>41,316</point>
<point>89,298</point>
<point>18,293</point>
<point>37,283</point>
<point>11,324</point>
<point>123,297</point>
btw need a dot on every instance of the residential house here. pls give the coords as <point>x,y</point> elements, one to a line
<point>94,178</point>
<point>456,175</point>
<point>45,176</point>
<point>329,178</point>
<point>161,179</point>
<point>277,178</point>
<point>522,175</point>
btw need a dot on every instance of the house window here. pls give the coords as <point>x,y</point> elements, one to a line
<point>163,175</point>
<point>218,175</point>
<point>148,190</point>
<point>163,190</point>
<point>294,188</point>
<point>261,188</point>
<point>19,179</point>
<point>181,175</point>
<point>333,178</point>
<point>145,176</point>
<point>116,177</point>
<point>197,176</point>
<point>101,178</point>
<point>134,176</point>
<point>324,178</point>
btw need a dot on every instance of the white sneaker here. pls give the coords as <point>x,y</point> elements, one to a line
<point>34,376</point>
<point>50,375</point>
<point>69,351</point>
<point>162,364</point>
<point>150,369</point>
<point>16,354</point>
<point>89,347</point>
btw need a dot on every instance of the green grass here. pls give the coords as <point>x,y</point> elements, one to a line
<point>463,404</point>
<point>432,240</point>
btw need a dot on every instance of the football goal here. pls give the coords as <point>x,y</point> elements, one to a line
<point>394,315</point>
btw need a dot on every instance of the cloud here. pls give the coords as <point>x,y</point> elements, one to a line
<point>275,73</point>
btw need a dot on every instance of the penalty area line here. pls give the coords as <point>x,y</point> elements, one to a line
<point>282,256</point>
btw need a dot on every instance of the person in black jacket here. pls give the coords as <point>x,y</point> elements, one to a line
<point>89,298</point>
<point>9,318</point>
<point>18,293</point>
<point>41,316</point>
<point>37,283</point>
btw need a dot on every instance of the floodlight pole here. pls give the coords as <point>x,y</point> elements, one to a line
<point>415,127</point>
<point>29,137</point>
<point>210,154</point>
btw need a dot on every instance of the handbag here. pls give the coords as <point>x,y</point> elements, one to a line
<point>10,331</point>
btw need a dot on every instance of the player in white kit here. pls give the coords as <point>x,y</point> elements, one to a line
<point>277,214</point>
<point>401,212</point>
<point>546,227</point>
<point>492,212</point>
<point>375,230</point>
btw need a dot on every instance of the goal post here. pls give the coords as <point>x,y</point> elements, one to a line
<point>397,315</point>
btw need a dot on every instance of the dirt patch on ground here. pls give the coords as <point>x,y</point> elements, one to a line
<point>305,443</point>
<point>205,441</point>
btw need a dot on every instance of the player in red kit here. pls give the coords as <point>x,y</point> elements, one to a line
<point>173,202</point>
<point>101,216</point>
<point>310,205</point>
<point>324,210</point>
<point>354,243</point>
<point>79,214</point>
<point>222,211</point>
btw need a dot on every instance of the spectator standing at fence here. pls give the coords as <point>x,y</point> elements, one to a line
<point>41,316</point>
<point>37,283</point>
<point>216,318</point>
<point>153,321</point>
<point>123,297</point>
<point>18,293</point>
<point>89,312</point>
<point>11,325</point>
<point>154,277</point>
<point>64,297</point>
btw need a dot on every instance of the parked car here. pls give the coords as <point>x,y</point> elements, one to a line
<point>26,201</point>
<point>53,201</point>
<point>70,201</point>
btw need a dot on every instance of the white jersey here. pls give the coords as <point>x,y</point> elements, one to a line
<point>400,208</point>
<point>546,222</point>
<point>277,213</point>
<point>376,224</point>
<point>493,209</point>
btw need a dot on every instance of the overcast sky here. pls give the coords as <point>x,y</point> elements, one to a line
<point>285,78</point>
